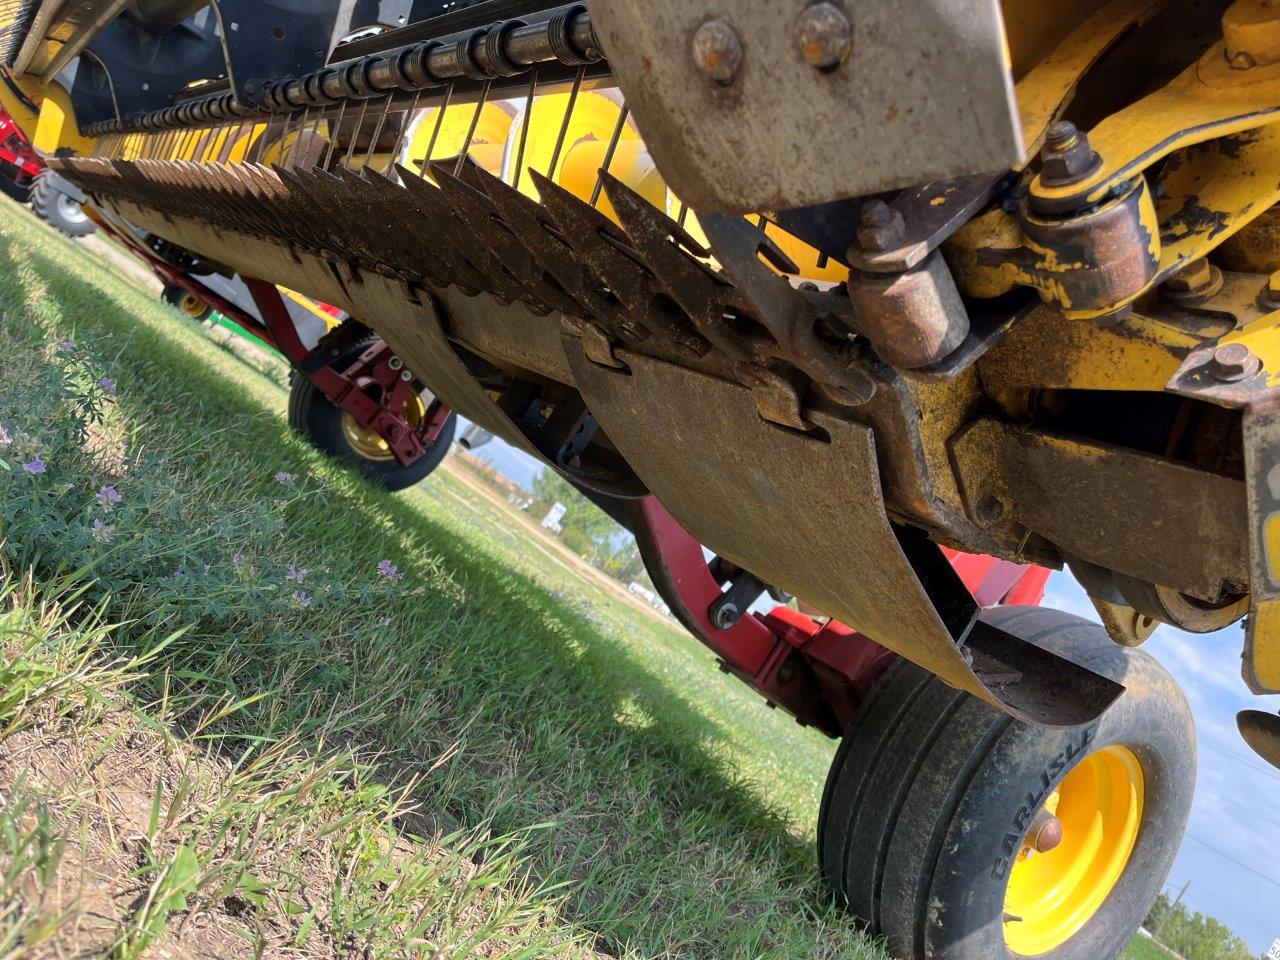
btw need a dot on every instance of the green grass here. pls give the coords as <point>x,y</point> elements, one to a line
<point>1140,948</point>
<point>586,777</point>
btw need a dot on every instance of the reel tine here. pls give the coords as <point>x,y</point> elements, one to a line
<point>524,127</point>
<point>608,154</point>
<point>435,131</point>
<point>471,130</point>
<point>377,129</point>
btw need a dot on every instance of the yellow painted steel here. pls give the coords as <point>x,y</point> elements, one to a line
<point>51,127</point>
<point>1208,100</point>
<point>1262,652</point>
<point>1054,894</point>
<point>1049,83</point>
<point>593,119</point>
<point>487,142</point>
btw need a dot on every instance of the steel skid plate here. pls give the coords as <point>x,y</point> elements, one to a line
<point>804,512</point>
<point>923,94</point>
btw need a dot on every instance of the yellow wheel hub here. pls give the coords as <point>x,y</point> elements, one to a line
<point>367,443</point>
<point>192,305</point>
<point>1052,895</point>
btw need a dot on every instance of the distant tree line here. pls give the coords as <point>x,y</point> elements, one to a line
<point>1194,935</point>
<point>587,530</point>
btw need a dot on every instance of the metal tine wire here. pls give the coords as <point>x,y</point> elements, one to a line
<point>302,129</point>
<point>285,147</point>
<point>684,214</point>
<point>404,131</point>
<point>564,124</point>
<point>355,132</point>
<point>377,130</point>
<point>471,130</point>
<point>315,127</point>
<point>608,154</point>
<point>333,133</point>
<point>524,128</point>
<point>435,131</point>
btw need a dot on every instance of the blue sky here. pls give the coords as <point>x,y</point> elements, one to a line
<point>1234,835</point>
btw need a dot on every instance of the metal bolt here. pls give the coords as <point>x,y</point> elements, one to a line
<point>1269,296</point>
<point>880,227</point>
<point>1233,361</point>
<point>990,510</point>
<point>395,363</point>
<point>1067,156</point>
<point>717,51</point>
<point>824,35</point>
<point>1197,280</point>
<point>395,431</point>
<point>406,376</point>
<point>1046,832</point>
<point>725,616</point>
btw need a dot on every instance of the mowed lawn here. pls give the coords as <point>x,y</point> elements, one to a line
<point>231,735</point>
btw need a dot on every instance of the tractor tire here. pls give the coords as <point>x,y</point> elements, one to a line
<point>187,303</point>
<point>59,210</point>
<point>924,825</point>
<point>334,431</point>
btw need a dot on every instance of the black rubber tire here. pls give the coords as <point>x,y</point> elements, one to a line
<point>12,189</point>
<point>174,296</point>
<point>47,202</point>
<point>919,818</point>
<point>319,421</point>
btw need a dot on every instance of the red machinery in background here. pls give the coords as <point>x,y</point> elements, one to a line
<point>19,162</point>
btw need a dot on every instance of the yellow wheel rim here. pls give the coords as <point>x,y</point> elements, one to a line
<point>1052,895</point>
<point>367,443</point>
<point>192,305</point>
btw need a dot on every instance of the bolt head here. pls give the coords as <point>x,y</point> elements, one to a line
<point>1067,156</point>
<point>1199,278</point>
<point>1048,836</point>
<point>395,363</point>
<point>880,227</point>
<point>406,376</point>
<point>726,616</point>
<point>717,51</point>
<point>823,35</point>
<point>1232,362</point>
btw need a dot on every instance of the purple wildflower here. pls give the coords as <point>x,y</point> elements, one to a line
<point>301,599</point>
<point>174,577</point>
<point>5,439</point>
<point>108,385</point>
<point>297,574</point>
<point>103,532</point>
<point>66,346</point>
<point>35,465</point>
<point>388,570</point>
<point>238,561</point>
<point>283,476</point>
<point>108,496</point>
